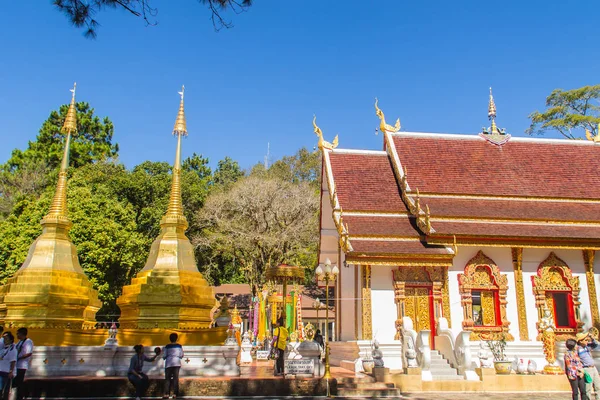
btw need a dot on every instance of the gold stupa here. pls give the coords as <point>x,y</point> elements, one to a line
<point>50,290</point>
<point>169,292</point>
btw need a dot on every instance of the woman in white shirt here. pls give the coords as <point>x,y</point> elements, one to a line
<point>8,360</point>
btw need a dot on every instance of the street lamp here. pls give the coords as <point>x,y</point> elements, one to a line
<point>327,273</point>
<point>317,306</point>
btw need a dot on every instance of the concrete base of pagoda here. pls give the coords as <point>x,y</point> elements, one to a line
<point>50,290</point>
<point>166,299</point>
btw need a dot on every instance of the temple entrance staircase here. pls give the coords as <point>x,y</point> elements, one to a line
<point>441,370</point>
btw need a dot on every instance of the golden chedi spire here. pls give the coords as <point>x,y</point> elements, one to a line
<point>50,290</point>
<point>169,292</point>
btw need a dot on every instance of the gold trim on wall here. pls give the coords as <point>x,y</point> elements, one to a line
<point>367,325</point>
<point>517,260</point>
<point>588,260</point>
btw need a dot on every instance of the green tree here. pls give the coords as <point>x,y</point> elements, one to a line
<point>91,143</point>
<point>28,172</point>
<point>81,12</point>
<point>304,166</point>
<point>104,231</point>
<point>567,111</point>
<point>227,173</point>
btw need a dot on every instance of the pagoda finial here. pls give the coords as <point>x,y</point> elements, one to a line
<point>174,212</point>
<point>492,113</point>
<point>383,127</point>
<point>180,124</point>
<point>58,208</point>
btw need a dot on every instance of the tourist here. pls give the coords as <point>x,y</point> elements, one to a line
<point>319,338</point>
<point>8,361</point>
<point>280,337</point>
<point>585,345</point>
<point>24,352</point>
<point>136,366</point>
<point>574,371</point>
<point>172,354</point>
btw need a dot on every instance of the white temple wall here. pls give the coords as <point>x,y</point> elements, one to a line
<point>383,308</point>
<point>346,303</point>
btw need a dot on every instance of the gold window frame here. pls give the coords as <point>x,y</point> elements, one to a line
<point>482,273</point>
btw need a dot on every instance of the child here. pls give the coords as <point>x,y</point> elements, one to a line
<point>172,355</point>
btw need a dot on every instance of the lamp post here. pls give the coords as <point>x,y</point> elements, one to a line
<point>327,273</point>
<point>317,306</point>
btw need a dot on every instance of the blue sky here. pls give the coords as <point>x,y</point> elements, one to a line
<point>430,63</point>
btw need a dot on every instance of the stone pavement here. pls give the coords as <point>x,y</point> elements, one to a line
<point>487,396</point>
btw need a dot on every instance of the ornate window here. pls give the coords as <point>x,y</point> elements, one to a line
<point>555,286</point>
<point>483,297</point>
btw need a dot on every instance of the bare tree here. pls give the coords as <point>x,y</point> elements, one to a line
<point>82,13</point>
<point>260,222</point>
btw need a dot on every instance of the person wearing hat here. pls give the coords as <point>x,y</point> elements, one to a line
<point>585,344</point>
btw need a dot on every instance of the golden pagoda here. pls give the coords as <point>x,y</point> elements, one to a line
<point>169,292</point>
<point>50,290</point>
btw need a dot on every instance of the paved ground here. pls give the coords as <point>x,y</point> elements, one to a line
<point>488,396</point>
<point>416,396</point>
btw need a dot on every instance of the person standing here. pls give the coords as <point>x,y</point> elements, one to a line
<point>24,353</point>
<point>280,337</point>
<point>172,354</point>
<point>574,370</point>
<point>585,344</point>
<point>8,361</point>
<point>136,367</point>
<point>319,338</point>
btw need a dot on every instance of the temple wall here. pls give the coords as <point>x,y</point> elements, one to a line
<point>383,308</point>
<point>532,258</point>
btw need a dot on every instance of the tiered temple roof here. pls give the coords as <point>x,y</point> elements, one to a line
<point>425,193</point>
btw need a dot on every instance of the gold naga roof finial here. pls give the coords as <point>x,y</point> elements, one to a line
<point>492,113</point>
<point>383,127</point>
<point>596,138</point>
<point>174,212</point>
<point>58,208</point>
<point>323,144</point>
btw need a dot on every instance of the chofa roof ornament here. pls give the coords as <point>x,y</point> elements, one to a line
<point>493,134</point>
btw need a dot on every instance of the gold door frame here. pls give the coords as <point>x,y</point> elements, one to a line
<point>427,276</point>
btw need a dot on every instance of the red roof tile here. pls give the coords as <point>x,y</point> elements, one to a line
<point>395,247</point>
<point>365,182</point>
<point>512,209</point>
<point>365,225</point>
<point>448,164</point>
<point>550,231</point>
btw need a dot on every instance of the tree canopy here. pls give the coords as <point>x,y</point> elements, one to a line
<point>569,112</point>
<point>81,13</point>
<point>241,222</point>
<point>28,172</point>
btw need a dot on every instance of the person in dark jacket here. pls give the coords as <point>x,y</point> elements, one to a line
<point>319,338</point>
<point>135,373</point>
